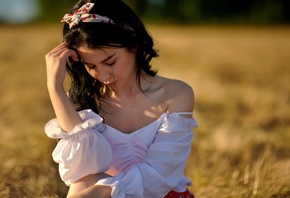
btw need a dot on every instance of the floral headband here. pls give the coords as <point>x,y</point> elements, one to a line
<point>83,15</point>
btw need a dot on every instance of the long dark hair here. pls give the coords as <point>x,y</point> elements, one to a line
<point>127,31</point>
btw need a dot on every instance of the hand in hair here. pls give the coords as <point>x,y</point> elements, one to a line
<point>56,68</point>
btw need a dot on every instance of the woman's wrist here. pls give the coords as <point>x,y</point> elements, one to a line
<point>55,87</point>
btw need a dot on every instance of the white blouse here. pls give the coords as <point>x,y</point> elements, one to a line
<point>146,163</point>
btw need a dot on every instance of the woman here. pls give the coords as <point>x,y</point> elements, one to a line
<point>125,131</point>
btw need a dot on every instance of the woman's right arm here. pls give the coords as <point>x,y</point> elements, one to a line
<point>93,148</point>
<point>56,68</point>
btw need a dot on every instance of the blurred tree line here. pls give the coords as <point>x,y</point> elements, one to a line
<point>191,11</point>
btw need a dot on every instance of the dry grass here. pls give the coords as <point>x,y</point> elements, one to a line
<point>241,80</point>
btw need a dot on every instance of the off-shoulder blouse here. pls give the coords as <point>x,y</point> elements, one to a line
<point>148,162</point>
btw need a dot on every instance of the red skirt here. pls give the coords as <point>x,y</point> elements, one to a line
<point>173,194</point>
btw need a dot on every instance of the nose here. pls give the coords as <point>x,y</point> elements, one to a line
<point>104,74</point>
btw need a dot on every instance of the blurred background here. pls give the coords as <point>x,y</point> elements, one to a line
<point>235,55</point>
<point>182,11</point>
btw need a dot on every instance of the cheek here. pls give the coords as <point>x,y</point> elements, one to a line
<point>128,63</point>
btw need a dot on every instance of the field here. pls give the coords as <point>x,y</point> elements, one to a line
<point>241,78</point>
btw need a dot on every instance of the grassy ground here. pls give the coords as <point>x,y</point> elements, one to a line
<point>241,79</point>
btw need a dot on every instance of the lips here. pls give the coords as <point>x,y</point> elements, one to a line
<point>110,84</point>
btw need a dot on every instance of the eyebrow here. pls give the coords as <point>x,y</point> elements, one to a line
<point>108,57</point>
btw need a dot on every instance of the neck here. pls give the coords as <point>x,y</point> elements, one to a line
<point>132,87</point>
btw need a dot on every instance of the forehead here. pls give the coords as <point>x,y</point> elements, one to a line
<point>97,54</point>
<point>99,51</point>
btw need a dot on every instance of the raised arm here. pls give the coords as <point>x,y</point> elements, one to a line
<point>67,119</point>
<point>55,64</point>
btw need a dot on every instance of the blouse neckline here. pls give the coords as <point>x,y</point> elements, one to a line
<point>148,125</point>
<point>138,130</point>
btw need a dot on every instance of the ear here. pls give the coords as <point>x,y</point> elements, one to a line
<point>75,55</point>
<point>75,58</point>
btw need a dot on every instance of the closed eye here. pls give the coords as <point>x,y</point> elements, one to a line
<point>111,63</point>
<point>89,66</point>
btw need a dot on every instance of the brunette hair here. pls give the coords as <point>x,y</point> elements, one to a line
<point>127,31</point>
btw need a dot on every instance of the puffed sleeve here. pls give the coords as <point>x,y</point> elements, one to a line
<point>164,164</point>
<point>83,150</point>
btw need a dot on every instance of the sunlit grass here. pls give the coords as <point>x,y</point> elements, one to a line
<point>241,81</point>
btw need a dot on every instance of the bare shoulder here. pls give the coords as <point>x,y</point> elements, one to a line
<point>179,95</point>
